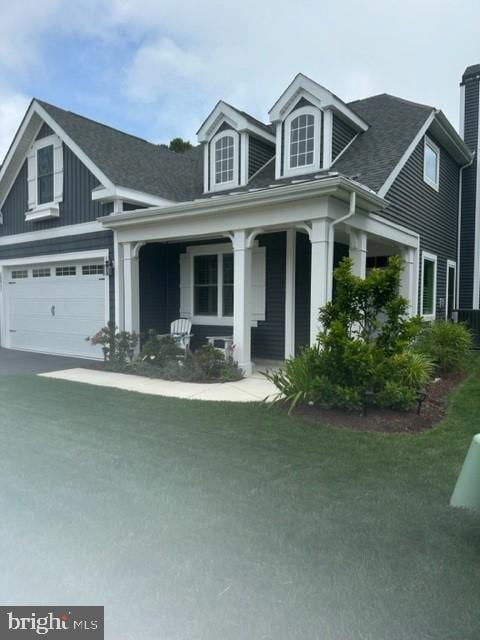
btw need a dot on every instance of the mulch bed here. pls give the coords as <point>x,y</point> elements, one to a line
<point>389,421</point>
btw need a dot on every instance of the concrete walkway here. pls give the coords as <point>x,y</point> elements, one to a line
<point>253,389</point>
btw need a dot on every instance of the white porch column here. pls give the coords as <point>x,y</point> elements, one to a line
<point>131,288</point>
<point>408,280</point>
<point>118,283</point>
<point>358,252</point>
<point>290,293</point>
<point>242,285</point>
<point>319,287</point>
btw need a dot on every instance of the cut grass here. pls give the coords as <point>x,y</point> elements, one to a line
<point>207,520</point>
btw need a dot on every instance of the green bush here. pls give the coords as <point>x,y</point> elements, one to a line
<point>158,350</point>
<point>118,346</point>
<point>364,349</point>
<point>446,343</point>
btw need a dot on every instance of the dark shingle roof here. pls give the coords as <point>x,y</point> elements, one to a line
<point>373,155</point>
<point>132,162</point>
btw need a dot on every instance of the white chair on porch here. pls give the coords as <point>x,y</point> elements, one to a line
<point>181,332</point>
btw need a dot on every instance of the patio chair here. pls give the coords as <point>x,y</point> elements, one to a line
<point>180,331</point>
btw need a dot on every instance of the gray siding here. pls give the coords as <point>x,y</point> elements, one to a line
<point>259,152</point>
<point>469,187</point>
<point>44,132</point>
<point>68,244</point>
<point>432,214</point>
<point>77,205</point>
<point>342,134</point>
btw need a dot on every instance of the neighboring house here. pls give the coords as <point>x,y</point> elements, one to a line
<point>240,234</point>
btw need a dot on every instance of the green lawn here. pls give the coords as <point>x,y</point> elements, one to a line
<point>193,520</point>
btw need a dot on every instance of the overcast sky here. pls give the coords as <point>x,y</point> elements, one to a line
<point>156,68</point>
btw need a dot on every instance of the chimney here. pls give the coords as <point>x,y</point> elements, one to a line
<point>469,250</point>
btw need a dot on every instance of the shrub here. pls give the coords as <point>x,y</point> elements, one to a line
<point>118,346</point>
<point>158,350</point>
<point>363,350</point>
<point>446,343</point>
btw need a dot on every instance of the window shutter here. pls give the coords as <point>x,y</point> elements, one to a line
<point>32,179</point>
<point>258,283</point>
<point>185,287</point>
<point>58,169</point>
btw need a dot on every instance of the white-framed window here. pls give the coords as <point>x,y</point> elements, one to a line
<point>451,289</point>
<point>428,297</point>
<point>45,178</point>
<point>19,274</point>
<point>41,272</point>
<point>431,163</point>
<point>224,160</point>
<point>207,284</point>
<point>302,141</point>
<point>93,270</point>
<point>66,271</point>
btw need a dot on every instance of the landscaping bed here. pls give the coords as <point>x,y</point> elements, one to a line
<point>378,419</point>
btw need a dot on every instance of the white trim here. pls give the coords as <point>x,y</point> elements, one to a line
<point>476,252</point>
<point>278,151</point>
<point>314,92</point>
<point>344,148</point>
<point>305,168</point>
<point>451,264</point>
<point>461,120</point>
<point>78,256</point>
<point>428,142</point>
<point>431,257</point>
<point>43,212</point>
<point>244,156</point>
<point>206,167</point>
<point>403,160</point>
<point>202,250</point>
<point>223,111</point>
<point>327,139</point>
<point>221,186</point>
<point>106,194</point>
<point>55,232</point>
<point>290,293</point>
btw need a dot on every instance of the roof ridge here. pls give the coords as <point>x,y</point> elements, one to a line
<point>398,98</point>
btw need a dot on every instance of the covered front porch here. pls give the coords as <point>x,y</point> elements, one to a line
<point>247,272</point>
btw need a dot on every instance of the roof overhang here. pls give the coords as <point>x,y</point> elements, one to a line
<point>336,186</point>
<point>107,194</point>
<point>225,112</point>
<point>448,136</point>
<point>302,86</point>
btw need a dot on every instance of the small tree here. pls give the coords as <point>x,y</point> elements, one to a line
<point>179,145</point>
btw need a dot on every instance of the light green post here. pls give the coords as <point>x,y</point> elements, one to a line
<point>467,490</point>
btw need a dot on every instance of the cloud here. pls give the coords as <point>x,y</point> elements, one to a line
<point>12,106</point>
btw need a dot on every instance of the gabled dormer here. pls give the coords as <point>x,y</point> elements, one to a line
<point>235,147</point>
<point>311,125</point>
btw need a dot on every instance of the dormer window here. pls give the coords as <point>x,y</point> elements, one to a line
<point>224,160</point>
<point>302,140</point>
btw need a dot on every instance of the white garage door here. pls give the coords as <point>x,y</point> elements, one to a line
<point>52,308</point>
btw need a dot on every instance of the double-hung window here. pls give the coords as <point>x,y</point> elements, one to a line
<point>429,285</point>
<point>213,285</point>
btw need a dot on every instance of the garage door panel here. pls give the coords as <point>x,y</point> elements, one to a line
<point>55,314</point>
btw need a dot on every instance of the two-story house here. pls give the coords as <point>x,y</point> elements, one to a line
<point>241,234</point>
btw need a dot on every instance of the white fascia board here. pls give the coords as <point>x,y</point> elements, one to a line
<point>338,185</point>
<point>404,159</point>
<point>236,120</point>
<point>56,232</point>
<point>101,177</point>
<point>106,194</point>
<point>74,256</point>
<point>322,96</point>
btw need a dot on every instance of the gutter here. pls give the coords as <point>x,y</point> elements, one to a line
<point>331,185</point>
<point>331,239</point>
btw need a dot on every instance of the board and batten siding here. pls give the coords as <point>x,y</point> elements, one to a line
<point>430,213</point>
<point>77,205</point>
<point>342,134</point>
<point>469,189</point>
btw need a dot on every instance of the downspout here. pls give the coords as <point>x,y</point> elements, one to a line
<point>331,240</point>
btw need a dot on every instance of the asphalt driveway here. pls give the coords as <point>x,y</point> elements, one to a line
<point>24,362</point>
